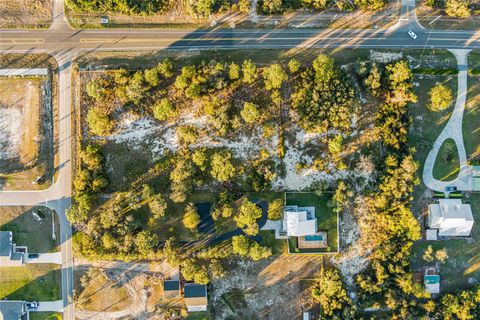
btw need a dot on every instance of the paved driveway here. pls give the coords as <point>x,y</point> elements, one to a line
<point>55,257</point>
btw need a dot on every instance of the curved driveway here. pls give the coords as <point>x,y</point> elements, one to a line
<point>453,130</point>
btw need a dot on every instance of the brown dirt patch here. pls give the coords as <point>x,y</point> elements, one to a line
<point>25,13</point>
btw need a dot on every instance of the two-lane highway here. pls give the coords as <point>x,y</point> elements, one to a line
<point>58,41</point>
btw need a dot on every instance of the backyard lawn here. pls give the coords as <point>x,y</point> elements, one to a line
<point>462,268</point>
<point>40,282</point>
<point>327,220</point>
<point>37,235</point>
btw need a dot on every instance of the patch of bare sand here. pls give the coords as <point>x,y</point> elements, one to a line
<point>270,288</point>
<point>19,121</point>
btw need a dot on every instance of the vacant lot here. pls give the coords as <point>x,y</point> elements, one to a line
<point>37,235</point>
<point>25,132</point>
<point>25,13</point>
<point>268,289</point>
<point>40,282</point>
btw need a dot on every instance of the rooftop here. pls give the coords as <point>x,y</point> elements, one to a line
<point>12,310</point>
<point>193,290</point>
<point>5,243</point>
<point>171,285</point>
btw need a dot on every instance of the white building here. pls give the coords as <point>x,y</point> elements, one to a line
<point>451,217</point>
<point>299,221</point>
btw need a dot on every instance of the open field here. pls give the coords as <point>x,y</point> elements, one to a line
<point>40,282</point>
<point>268,289</point>
<point>25,13</point>
<point>426,126</point>
<point>37,235</point>
<point>92,296</point>
<point>45,141</point>
<point>26,133</point>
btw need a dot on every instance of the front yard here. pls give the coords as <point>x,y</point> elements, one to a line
<point>40,282</point>
<point>37,235</point>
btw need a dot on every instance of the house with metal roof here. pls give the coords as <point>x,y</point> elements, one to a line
<point>195,296</point>
<point>451,218</point>
<point>11,255</point>
<point>13,310</point>
<point>299,221</point>
<point>171,289</point>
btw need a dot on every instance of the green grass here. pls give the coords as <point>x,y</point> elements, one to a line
<point>278,246</point>
<point>447,163</point>
<point>39,282</point>
<point>462,267</point>
<point>45,316</point>
<point>198,316</point>
<point>427,124</point>
<point>326,218</point>
<point>37,235</point>
<point>471,116</point>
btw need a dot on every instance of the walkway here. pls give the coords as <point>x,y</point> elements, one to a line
<point>453,130</point>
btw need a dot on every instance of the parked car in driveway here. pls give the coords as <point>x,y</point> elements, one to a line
<point>32,306</point>
<point>412,34</point>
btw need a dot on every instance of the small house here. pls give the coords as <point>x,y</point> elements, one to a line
<point>451,218</point>
<point>195,297</point>
<point>11,255</point>
<point>171,289</point>
<point>299,221</point>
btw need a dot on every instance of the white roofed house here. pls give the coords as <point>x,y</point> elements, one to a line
<point>451,218</point>
<point>299,221</point>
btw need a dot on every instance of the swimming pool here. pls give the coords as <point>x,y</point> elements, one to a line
<point>315,237</point>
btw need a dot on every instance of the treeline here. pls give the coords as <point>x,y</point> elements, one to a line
<point>455,8</point>
<point>281,6</point>
<point>388,227</point>
<point>202,8</point>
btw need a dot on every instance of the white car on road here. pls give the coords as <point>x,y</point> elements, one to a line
<point>412,34</point>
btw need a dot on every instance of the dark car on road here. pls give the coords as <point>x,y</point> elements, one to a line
<point>33,255</point>
<point>450,189</point>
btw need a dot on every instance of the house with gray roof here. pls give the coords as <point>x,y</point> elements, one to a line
<point>13,310</point>
<point>11,255</point>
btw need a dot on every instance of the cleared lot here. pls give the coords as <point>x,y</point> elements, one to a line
<point>25,13</point>
<point>25,132</point>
